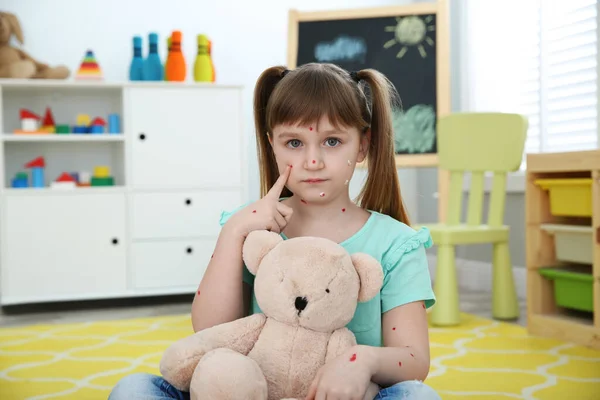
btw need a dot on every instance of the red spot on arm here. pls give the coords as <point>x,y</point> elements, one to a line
<point>399,363</point>
<point>353,358</point>
<point>198,292</point>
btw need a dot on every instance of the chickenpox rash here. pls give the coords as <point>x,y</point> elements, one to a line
<point>353,358</point>
<point>322,194</point>
<point>303,201</point>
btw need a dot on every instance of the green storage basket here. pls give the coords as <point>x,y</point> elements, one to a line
<point>573,287</point>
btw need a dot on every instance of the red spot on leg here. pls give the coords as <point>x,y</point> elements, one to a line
<point>343,210</point>
<point>399,363</point>
<point>303,201</point>
<point>353,358</point>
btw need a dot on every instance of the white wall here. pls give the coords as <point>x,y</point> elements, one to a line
<point>247,38</point>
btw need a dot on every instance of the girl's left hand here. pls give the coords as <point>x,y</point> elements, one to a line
<point>346,377</point>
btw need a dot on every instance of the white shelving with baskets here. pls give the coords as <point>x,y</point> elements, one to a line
<point>178,162</point>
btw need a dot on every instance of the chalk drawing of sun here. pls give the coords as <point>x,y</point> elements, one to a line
<point>411,31</point>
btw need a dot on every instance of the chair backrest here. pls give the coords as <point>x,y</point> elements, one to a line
<point>480,143</point>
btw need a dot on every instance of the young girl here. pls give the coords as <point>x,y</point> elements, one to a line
<point>313,125</point>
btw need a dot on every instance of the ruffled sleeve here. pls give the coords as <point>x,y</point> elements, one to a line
<point>406,270</point>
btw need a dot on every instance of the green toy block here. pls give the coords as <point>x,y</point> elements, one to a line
<point>62,129</point>
<point>107,181</point>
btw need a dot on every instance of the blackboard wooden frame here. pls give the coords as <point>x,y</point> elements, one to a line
<point>440,9</point>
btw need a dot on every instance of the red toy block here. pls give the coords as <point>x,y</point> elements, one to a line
<point>38,162</point>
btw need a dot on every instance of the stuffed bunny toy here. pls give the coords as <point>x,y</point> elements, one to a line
<point>15,63</point>
<point>308,289</point>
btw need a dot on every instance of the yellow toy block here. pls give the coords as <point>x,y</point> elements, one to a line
<point>101,172</point>
<point>83,120</point>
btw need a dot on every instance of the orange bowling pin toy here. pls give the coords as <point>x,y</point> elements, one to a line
<point>175,67</point>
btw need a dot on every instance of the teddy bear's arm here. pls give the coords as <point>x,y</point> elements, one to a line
<point>179,360</point>
<point>340,341</point>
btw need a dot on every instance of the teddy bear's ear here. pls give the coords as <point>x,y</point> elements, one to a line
<point>256,246</point>
<point>370,274</point>
<point>14,25</point>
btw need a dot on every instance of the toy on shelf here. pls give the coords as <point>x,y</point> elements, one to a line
<point>30,122</point>
<point>102,177</point>
<point>89,68</point>
<point>97,125</point>
<point>137,62</point>
<point>204,70</point>
<point>21,180</point>
<point>37,171</point>
<point>114,125</point>
<point>175,64</point>
<point>48,124</point>
<point>64,181</point>
<point>153,68</point>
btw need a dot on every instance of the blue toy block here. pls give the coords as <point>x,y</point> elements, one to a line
<point>19,183</point>
<point>96,129</point>
<point>37,177</point>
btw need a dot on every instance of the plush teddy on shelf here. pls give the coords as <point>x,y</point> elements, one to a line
<point>308,289</point>
<point>15,63</point>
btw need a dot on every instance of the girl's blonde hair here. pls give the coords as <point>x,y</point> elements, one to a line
<point>302,96</point>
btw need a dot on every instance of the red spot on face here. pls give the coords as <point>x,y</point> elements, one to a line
<point>343,210</point>
<point>399,363</point>
<point>310,129</point>
<point>423,305</point>
<point>198,292</point>
<point>314,161</point>
<point>303,201</point>
<point>394,328</point>
<point>353,358</point>
<point>322,194</point>
<point>253,211</point>
<point>412,355</point>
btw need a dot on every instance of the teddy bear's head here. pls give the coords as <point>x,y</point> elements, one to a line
<point>9,25</point>
<point>308,281</point>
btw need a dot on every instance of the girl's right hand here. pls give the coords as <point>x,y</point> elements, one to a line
<point>267,213</point>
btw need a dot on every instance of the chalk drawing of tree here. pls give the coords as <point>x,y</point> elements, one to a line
<point>414,130</point>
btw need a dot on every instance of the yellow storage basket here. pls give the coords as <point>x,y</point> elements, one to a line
<point>569,197</point>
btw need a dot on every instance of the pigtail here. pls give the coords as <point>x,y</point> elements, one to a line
<point>266,158</point>
<point>381,191</point>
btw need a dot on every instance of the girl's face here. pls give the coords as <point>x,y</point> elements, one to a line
<point>323,158</point>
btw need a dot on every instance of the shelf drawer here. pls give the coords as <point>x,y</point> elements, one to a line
<point>180,214</point>
<point>569,197</point>
<point>572,243</point>
<point>170,264</point>
<point>573,286</point>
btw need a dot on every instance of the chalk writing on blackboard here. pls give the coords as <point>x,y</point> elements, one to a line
<point>341,49</point>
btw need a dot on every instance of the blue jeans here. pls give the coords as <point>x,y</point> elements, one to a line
<point>144,386</point>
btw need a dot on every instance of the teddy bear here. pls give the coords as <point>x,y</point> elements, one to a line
<point>307,289</point>
<point>15,63</point>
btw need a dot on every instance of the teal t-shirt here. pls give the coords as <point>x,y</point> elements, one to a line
<point>401,251</point>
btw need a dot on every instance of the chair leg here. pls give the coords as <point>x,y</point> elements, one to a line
<point>446,310</point>
<point>505,304</point>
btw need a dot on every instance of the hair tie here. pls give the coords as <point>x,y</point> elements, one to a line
<point>284,73</point>
<point>354,76</point>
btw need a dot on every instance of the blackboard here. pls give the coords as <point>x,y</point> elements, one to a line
<point>402,43</point>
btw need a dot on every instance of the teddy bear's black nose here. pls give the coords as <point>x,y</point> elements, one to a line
<point>300,303</point>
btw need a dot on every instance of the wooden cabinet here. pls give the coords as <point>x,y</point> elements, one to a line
<point>563,246</point>
<point>179,161</point>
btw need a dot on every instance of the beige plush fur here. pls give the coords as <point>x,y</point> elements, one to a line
<point>277,354</point>
<point>15,63</point>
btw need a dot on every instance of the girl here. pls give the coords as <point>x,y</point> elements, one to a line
<point>313,125</point>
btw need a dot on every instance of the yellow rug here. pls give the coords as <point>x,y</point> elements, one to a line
<point>480,360</point>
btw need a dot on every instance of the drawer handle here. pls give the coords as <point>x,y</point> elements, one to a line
<point>142,136</point>
<point>188,201</point>
<point>598,235</point>
<point>115,241</point>
<point>189,250</point>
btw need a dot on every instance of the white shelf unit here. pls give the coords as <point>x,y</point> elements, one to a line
<point>180,161</point>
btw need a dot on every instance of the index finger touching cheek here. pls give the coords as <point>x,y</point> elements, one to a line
<point>280,182</point>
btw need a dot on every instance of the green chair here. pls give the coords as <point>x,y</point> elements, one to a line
<point>479,144</point>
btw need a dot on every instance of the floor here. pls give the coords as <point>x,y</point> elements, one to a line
<point>478,303</point>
